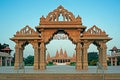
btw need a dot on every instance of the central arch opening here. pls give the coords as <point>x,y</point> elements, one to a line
<point>60,49</point>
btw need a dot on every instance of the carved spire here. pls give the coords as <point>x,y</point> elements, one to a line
<point>79,19</point>
<point>42,19</point>
<point>60,7</point>
<point>74,55</point>
<point>57,54</point>
<point>48,56</point>
<point>61,52</point>
<point>65,54</point>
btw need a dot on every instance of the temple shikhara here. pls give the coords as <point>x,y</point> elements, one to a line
<point>61,57</point>
<point>57,21</point>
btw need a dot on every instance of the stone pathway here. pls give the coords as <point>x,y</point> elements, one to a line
<point>60,69</point>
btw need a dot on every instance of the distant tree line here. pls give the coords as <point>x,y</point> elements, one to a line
<point>29,61</point>
<point>92,58</point>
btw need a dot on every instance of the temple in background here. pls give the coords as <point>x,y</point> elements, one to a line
<point>115,53</point>
<point>61,57</point>
<point>5,56</point>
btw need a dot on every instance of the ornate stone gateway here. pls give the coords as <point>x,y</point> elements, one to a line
<point>51,25</point>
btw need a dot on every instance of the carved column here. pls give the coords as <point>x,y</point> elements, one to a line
<point>85,57</point>
<point>100,54</point>
<point>104,58</point>
<point>17,56</point>
<point>36,56</point>
<point>21,55</point>
<point>42,56</point>
<point>78,56</point>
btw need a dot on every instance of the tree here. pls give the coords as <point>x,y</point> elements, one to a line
<point>92,58</point>
<point>50,64</point>
<point>93,62</point>
<point>29,61</point>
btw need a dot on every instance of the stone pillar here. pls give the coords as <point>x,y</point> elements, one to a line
<point>42,56</point>
<point>10,61</point>
<point>1,61</point>
<point>111,60</point>
<point>85,57</point>
<point>104,58</point>
<point>6,59</point>
<point>17,56</point>
<point>115,61</point>
<point>78,56</point>
<point>21,56</point>
<point>100,55</point>
<point>36,57</point>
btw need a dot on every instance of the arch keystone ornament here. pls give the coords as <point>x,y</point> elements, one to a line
<point>56,21</point>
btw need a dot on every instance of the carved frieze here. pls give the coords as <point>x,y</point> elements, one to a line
<point>60,15</point>
<point>94,32</point>
<point>26,31</point>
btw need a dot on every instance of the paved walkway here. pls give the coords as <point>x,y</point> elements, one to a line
<point>60,69</point>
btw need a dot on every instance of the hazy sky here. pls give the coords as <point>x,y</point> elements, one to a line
<point>16,14</point>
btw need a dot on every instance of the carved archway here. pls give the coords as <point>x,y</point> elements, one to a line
<point>99,38</point>
<point>72,26</point>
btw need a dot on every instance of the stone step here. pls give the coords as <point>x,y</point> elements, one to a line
<point>31,76</point>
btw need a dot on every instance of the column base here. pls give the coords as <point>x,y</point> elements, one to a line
<point>105,66</point>
<point>36,67</point>
<point>19,66</point>
<point>42,66</point>
<point>78,66</point>
<point>85,66</point>
<point>16,66</point>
